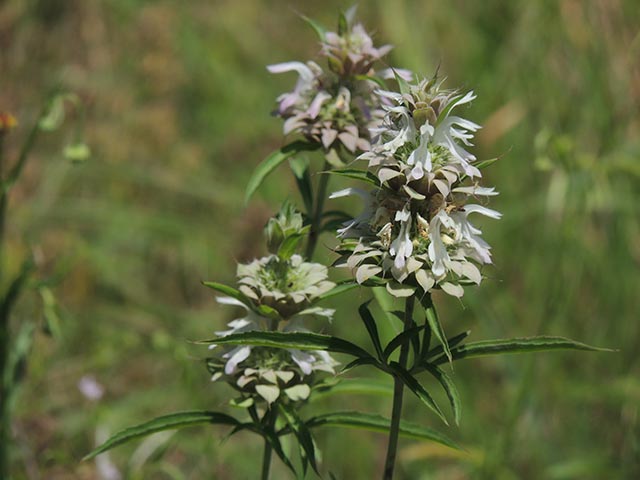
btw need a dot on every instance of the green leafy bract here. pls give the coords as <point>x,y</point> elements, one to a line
<point>356,174</point>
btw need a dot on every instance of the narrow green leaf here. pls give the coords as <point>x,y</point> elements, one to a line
<point>377,80</point>
<point>447,109</point>
<point>297,340</point>
<point>166,422</point>
<point>227,290</point>
<point>50,312</point>
<point>452,342</point>
<point>300,168</point>
<point>485,163</point>
<point>15,289</point>
<point>289,246</point>
<point>338,289</point>
<point>354,386</point>
<point>434,324</point>
<point>517,345</point>
<point>419,391</point>
<point>399,339</point>
<point>274,441</point>
<point>370,325</point>
<point>302,433</point>
<point>320,30</point>
<point>343,24</point>
<point>403,86</point>
<point>17,366</point>
<point>270,163</point>
<point>358,362</point>
<point>449,388</point>
<point>356,174</point>
<point>379,423</point>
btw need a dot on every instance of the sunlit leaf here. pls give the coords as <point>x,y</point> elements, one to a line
<point>356,174</point>
<point>516,345</point>
<point>77,152</point>
<point>166,422</point>
<point>317,27</point>
<point>435,326</point>
<point>338,289</point>
<point>270,163</point>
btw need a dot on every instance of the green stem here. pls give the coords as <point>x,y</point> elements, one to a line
<point>316,219</point>
<point>271,417</point>
<point>4,336</point>
<point>398,391</point>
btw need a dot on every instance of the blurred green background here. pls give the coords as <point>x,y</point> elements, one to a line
<point>177,115</point>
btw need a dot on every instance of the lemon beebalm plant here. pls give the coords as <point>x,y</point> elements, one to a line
<point>407,145</point>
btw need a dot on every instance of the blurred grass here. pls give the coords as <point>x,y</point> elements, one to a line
<point>178,105</point>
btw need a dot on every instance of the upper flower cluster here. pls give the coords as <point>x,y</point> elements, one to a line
<point>415,224</point>
<point>336,107</point>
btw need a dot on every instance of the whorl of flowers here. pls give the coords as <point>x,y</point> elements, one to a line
<point>415,227</point>
<point>276,292</point>
<point>336,107</point>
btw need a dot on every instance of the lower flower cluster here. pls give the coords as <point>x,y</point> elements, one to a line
<point>276,294</point>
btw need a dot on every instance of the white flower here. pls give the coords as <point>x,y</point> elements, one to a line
<point>402,247</point>
<point>306,85</point>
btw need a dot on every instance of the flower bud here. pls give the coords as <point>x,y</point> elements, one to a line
<point>285,231</point>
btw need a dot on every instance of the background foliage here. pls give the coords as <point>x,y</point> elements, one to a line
<point>178,104</point>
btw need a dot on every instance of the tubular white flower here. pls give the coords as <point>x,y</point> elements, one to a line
<point>402,247</point>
